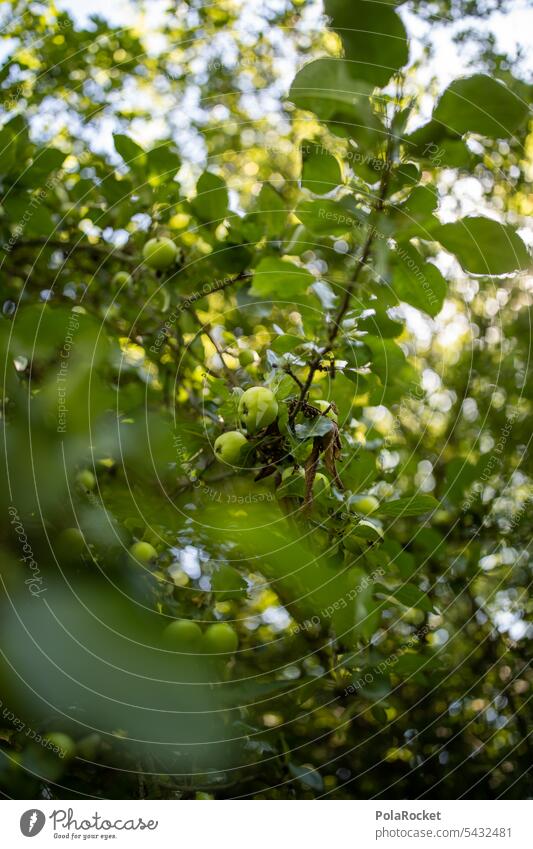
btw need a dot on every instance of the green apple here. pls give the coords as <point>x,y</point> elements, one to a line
<point>246,357</point>
<point>320,485</point>
<point>323,405</point>
<point>228,446</point>
<point>86,479</point>
<point>70,543</point>
<point>160,253</point>
<point>364,504</point>
<point>65,744</point>
<point>258,408</point>
<point>88,746</point>
<point>220,638</point>
<point>143,552</point>
<point>184,635</point>
<point>293,483</point>
<point>361,535</point>
<point>121,278</point>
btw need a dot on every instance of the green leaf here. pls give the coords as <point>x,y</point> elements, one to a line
<point>272,211</point>
<point>439,146</point>
<point>382,325</point>
<point>404,175</point>
<point>421,204</point>
<point>377,322</point>
<point>418,282</point>
<point>481,104</point>
<point>314,427</point>
<point>321,171</point>
<point>374,38</point>
<point>211,202</point>
<point>285,343</point>
<point>343,391</point>
<point>163,160</point>
<point>267,217</point>
<point>132,153</point>
<point>276,278</point>
<point>483,246</point>
<point>396,374</point>
<point>38,223</point>
<point>367,609</point>
<point>47,160</point>
<point>415,505</point>
<point>358,470</point>
<point>227,584</point>
<point>430,541</point>
<point>410,664</point>
<point>328,88</point>
<point>356,353</point>
<point>405,563</point>
<point>8,147</point>
<point>426,141</point>
<point>460,475</point>
<point>283,387</point>
<point>411,596</point>
<point>326,217</point>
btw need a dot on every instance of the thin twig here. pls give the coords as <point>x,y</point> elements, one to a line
<point>290,372</point>
<point>208,330</point>
<point>210,289</point>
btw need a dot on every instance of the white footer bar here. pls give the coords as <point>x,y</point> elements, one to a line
<point>245,824</point>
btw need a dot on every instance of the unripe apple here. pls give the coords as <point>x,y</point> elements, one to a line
<point>258,408</point>
<point>184,635</point>
<point>160,253</point>
<point>220,638</point>
<point>293,483</point>
<point>86,479</point>
<point>246,357</point>
<point>121,278</point>
<point>143,552</point>
<point>88,746</point>
<point>228,446</point>
<point>320,485</point>
<point>362,534</point>
<point>70,543</point>
<point>364,504</point>
<point>65,744</point>
<point>323,405</point>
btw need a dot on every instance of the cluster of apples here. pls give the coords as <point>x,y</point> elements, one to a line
<point>186,636</point>
<point>258,408</point>
<point>293,478</point>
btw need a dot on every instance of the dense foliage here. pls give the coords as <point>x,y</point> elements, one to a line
<point>266,391</point>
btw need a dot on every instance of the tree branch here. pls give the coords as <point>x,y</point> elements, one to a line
<point>70,247</point>
<point>208,330</point>
<point>208,289</point>
<point>361,262</point>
